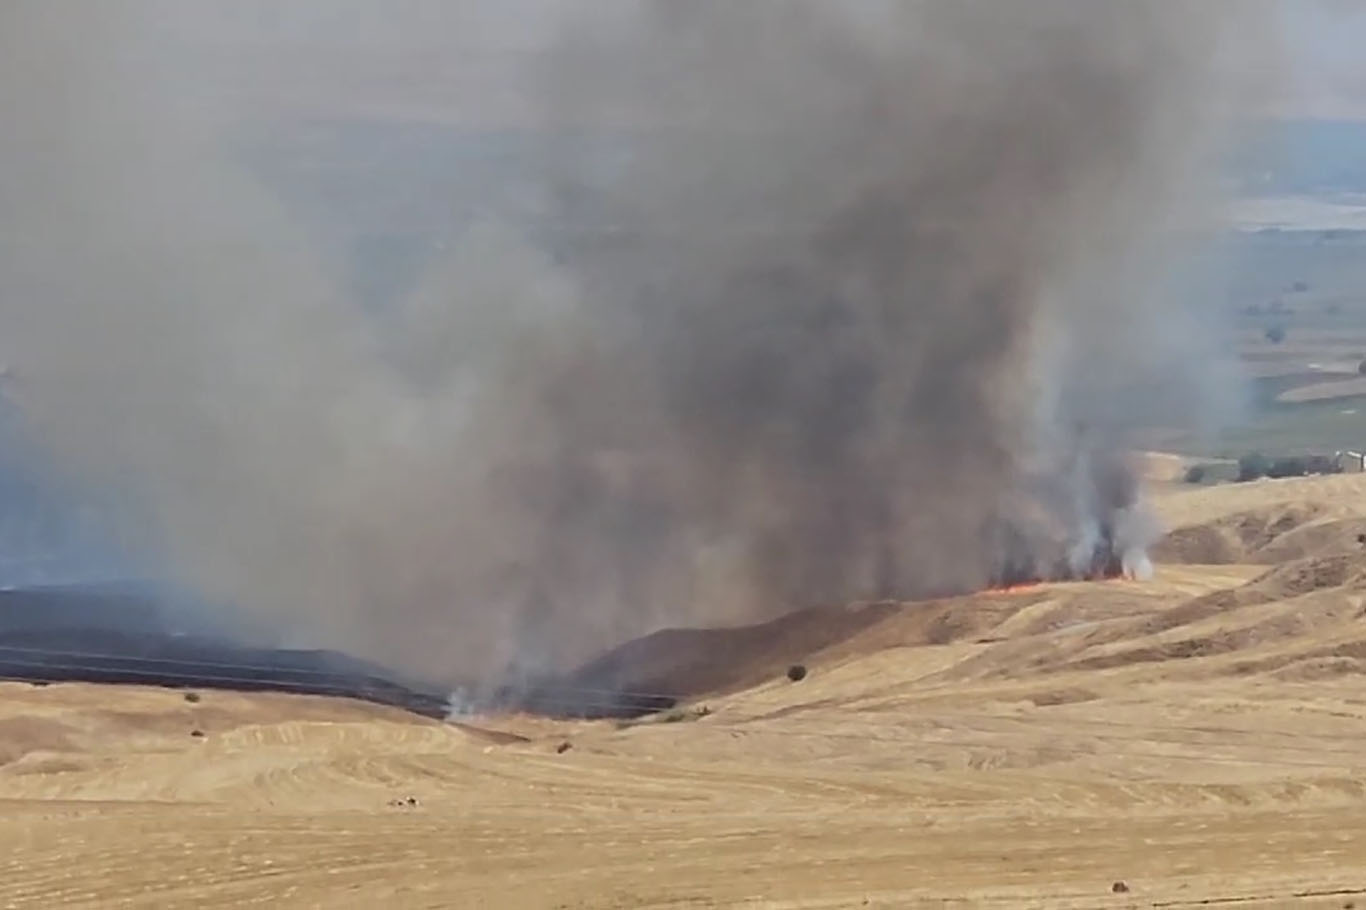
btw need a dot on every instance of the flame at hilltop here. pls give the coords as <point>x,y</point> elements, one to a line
<point>1112,571</point>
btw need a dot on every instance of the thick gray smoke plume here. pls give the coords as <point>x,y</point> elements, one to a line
<point>842,301</point>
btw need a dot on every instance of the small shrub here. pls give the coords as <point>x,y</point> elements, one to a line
<point>197,734</point>
<point>796,672</point>
<point>1275,334</point>
<point>1195,474</point>
<point>1119,888</point>
<point>192,697</point>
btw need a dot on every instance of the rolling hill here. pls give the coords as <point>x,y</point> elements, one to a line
<point>1185,742</point>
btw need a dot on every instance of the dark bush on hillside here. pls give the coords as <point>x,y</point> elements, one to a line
<point>1252,466</point>
<point>1303,466</point>
<point>1322,464</point>
<point>1255,465</point>
<point>796,673</point>
<point>1195,474</point>
<point>1286,467</point>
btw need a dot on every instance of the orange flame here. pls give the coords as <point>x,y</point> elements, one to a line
<point>1014,587</point>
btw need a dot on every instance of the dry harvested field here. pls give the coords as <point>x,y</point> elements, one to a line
<point>1200,738</point>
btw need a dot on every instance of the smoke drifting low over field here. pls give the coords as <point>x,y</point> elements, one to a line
<point>862,309</point>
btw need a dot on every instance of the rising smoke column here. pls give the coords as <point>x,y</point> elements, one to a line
<point>858,303</point>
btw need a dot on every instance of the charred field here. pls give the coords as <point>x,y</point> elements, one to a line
<point>101,634</point>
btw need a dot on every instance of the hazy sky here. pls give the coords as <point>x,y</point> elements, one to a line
<point>1327,50</point>
<point>461,60</point>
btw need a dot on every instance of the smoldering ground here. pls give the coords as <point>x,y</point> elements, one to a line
<point>859,302</point>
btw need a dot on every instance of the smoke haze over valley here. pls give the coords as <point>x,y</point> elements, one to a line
<point>720,310</point>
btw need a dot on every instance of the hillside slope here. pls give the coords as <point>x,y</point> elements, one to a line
<point>1196,737</point>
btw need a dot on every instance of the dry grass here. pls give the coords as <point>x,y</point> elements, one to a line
<point>1196,737</point>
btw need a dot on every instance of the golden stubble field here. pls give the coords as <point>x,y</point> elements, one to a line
<point>1200,738</point>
